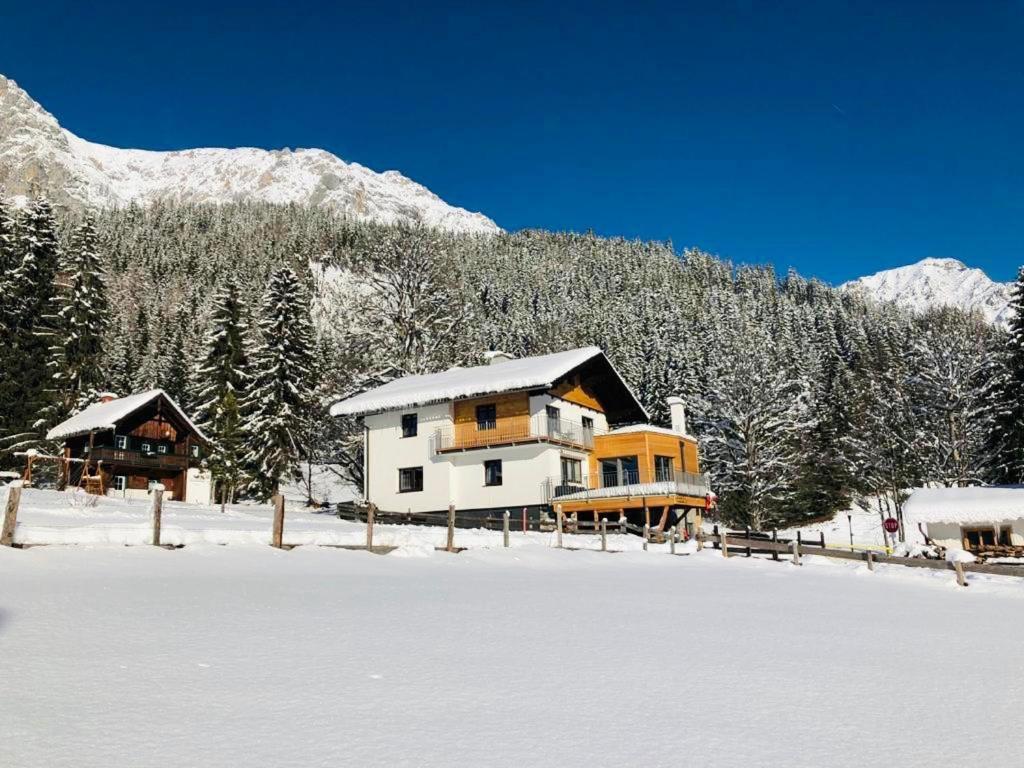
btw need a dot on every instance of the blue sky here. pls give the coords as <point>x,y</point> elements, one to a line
<point>836,138</point>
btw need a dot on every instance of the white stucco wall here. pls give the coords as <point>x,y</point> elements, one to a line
<point>524,470</point>
<point>570,412</point>
<point>388,451</point>
<point>950,535</point>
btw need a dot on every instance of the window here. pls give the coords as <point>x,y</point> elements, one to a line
<point>146,448</point>
<point>410,479</point>
<point>195,451</point>
<point>978,538</point>
<point>619,471</point>
<point>120,482</point>
<point>409,425</point>
<point>121,441</point>
<point>492,472</point>
<point>161,448</point>
<point>663,469</point>
<point>588,424</point>
<point>486,417</point>
<point>572,471</point>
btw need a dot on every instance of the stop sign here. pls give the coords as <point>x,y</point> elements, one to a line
<point>891,524</point>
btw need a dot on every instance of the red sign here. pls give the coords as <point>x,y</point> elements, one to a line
<point>891,524</point>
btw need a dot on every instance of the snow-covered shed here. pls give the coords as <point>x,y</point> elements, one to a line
<point>969,518</point>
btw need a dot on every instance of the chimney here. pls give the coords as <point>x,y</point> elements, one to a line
<point>677,408</point>
<point>106,397</point>
<point>497,357</point>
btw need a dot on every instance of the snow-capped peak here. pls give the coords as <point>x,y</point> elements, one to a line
<point>36,152</point>
<point>935,282</point>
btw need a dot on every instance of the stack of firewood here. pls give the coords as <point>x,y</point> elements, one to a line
<point>998,550</point>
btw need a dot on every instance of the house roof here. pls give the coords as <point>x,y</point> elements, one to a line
<point>540,372</point>
<point>648,428</point>
<point>102,416</point>
<point>980,504</point>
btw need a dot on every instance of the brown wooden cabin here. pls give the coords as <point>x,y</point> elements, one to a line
<point>132,443</point>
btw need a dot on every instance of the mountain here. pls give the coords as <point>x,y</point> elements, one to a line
<point>939,282</point>
<point>36,152</point>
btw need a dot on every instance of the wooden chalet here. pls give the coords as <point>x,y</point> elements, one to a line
<point>124,446</point>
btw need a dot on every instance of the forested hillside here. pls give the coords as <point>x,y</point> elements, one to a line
<point>802,396</point>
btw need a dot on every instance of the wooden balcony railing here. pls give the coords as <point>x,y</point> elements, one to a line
<point>108,455</point>
<point>536,428</point>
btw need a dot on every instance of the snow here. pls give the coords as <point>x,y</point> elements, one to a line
<point>939,282</point>
<point>631,428</point>
<point>539,372</point>
<point>219,656</point>
<point>94,174</point>
<point>981,504</point>
<point>102,416</point>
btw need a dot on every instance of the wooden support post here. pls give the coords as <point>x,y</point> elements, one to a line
<point>700,539</point>
<point>559,523</point>
<point>871,560</point>
<point>672,540</point>
<point>796,552</point>
<point>604,535</point>
<point>748,540</point>
<point>647,536</point>
<point>504,523</point>
<point>371,514</point>
<point>961,577</point>
<point>724,541</point>
<point>525,528</point>
<point>450,546</point>
<point>158,506</point>
<point>821,535</point>
<point>775,539</point>
<point>277,537</point>
<point>11,513</point>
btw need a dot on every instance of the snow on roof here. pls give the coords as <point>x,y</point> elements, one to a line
<point>101,416</point>
<point>980,504</point>
<point>648,428</point>
<point>455,383</point>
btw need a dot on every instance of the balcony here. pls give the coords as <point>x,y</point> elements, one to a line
<point>171,461</point>
<point>627,485</point>
<point>518,430</point>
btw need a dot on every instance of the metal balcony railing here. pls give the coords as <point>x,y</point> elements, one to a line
<point>627,484</point>
<point>520,429</point>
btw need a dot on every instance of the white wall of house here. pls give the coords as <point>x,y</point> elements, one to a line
<point>950,535</point>
<point>570,412</point>
<point>524,469</point>
<point>387,452</point>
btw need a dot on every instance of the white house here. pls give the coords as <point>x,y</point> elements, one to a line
<point>523,434</point>
<point>969,518</point>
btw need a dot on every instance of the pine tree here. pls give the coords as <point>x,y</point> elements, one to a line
<point>279,397</point>
<point>31,321</point>
<point>1006,438</point>
<point>218,382</point>
<point>76,351</point>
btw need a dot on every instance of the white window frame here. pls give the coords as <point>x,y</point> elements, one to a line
<point>120,483</point>
<point>161,448</point>
<point>146,448</point>
<point>121,442</point>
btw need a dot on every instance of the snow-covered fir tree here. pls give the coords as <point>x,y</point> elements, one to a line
<point>218,384</point>
<point>76,349</point>
<point>278,402</point>
<point>1005,442</point>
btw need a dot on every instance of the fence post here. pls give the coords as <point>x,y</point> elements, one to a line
<point>821,535</point>
<point>775,540</point>
<point>451,528</point>
<point>158,504</point>
<point>504,523</point>
<point>559,522</point>
<point>700,539</point>
<point>11,513</point>
<point>524,520</point>
<point>277,536</point>
<point>716,544</point>
<point>371,515</point>
<point>796,552</point>
<point>724,541</point>
<point>604,535</point>
<point>871,560</point>
<point>961,577</point>
<point>748,540</point>
<point>672,540</point>
<point>647,535</point>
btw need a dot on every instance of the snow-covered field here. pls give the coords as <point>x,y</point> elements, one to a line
<point>227,656</point>
<point>247,655</point>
